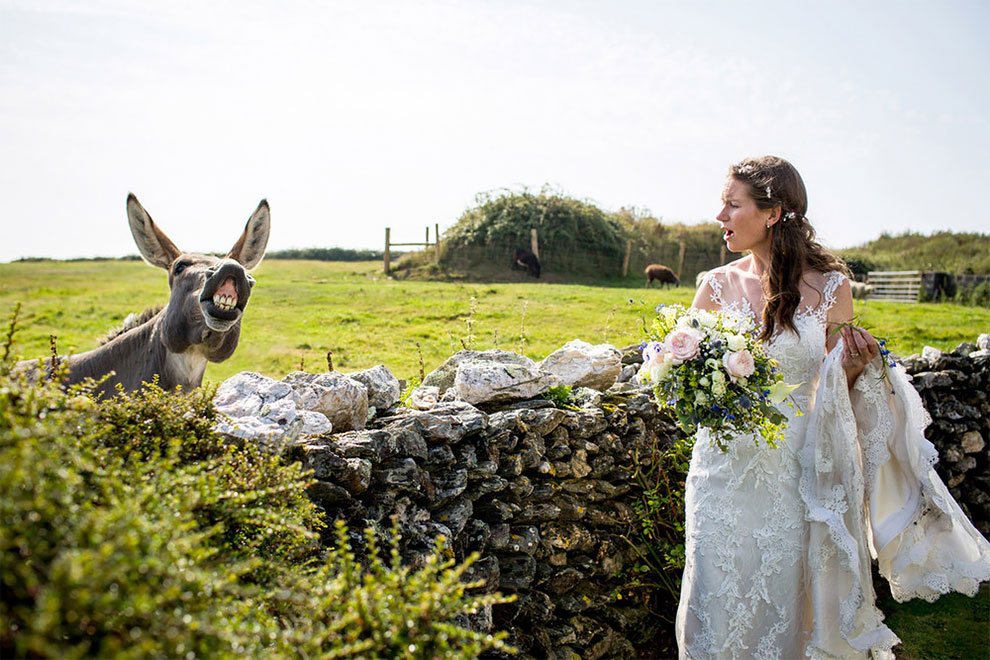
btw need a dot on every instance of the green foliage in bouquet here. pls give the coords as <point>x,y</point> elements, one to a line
<point>128,529</point>
<point>710,371</point>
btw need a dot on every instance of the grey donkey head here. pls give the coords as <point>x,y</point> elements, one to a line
<point>208,294</point>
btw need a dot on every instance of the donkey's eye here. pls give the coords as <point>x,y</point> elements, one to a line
<point>179,267</point>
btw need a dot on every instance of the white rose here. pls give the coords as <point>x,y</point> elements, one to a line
<point>700,398</point>
<point>735,342</point>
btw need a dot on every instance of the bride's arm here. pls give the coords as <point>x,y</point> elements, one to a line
<point>859,346</point>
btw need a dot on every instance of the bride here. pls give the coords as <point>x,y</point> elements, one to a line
<point>779,541</point>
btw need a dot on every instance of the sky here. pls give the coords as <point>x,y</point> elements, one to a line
<point>350,117</point>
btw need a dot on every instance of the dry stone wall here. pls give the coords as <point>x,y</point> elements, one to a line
<point>545,495</point>
<point>955,388</point>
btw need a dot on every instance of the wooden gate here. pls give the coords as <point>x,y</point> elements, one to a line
<point>895,285</point>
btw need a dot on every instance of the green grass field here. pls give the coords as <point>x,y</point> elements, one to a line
<point>300,310</point>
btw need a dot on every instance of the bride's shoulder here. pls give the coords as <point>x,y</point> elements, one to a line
<point>734,270</point>
<point>827,281</point>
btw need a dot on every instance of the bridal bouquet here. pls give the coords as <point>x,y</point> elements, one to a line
<point>711,371</point>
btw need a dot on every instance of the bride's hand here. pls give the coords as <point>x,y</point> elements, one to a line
<point>859,349</point>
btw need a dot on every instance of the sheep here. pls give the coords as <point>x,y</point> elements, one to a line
<point>661,274</point>
<point>861,290</point>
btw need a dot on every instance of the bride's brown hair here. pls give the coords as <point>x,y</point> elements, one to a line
<point>774,182</point>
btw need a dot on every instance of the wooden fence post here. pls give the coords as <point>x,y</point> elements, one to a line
<point>680,260</point>
<point>436,239</point>
<point>388,233</point>
<point>534,242</point>
<point>722,256</point>
<point>625,259</point>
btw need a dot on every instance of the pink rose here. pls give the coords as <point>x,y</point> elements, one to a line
<point>682,344</point>
<point>739,364</point>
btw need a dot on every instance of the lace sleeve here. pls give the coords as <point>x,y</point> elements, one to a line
<point>833,280</point>
<point>715,284</point>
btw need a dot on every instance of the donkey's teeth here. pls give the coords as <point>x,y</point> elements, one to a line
<point>226,303</point>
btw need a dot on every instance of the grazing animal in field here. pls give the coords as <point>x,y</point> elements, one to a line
<point>861,290</point>
<point>661,274</point>
<point>201,322</point>
<point>525,259</point>
<point>699,278</point>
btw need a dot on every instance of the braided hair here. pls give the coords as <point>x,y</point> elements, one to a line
<point>774,182</point>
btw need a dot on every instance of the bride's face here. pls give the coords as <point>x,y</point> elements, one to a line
<point>744,225</point>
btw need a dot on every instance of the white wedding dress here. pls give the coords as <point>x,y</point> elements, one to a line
<point>779,541</point>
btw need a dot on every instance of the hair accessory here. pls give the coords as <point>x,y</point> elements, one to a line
<point>790,215</point>
<point>768,192</point>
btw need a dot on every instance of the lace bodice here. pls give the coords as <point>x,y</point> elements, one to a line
<point>799,355</point>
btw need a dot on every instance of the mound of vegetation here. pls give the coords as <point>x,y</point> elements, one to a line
<point>574,236</point>
<point>943,251</point>
<point>576,239</point>
<point>128,529</point>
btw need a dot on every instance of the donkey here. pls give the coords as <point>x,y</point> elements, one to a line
<point>523,258</point>
<point>201,322</point>
<point>661,274</point>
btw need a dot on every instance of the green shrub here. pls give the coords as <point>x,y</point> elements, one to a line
<point>975,296</point>
<point>128,529</point>
<point>383,609</point>
<point>574,236</point>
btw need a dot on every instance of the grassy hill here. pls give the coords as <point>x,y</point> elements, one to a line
<point>943,251</point>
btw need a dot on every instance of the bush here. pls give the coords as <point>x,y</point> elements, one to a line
<point>974,296</point>
<point>574,236</point>
<point>128,529</point>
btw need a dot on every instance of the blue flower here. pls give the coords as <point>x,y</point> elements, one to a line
<point>745,403</point>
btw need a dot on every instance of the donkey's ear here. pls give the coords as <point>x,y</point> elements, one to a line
<point>155,246</point>
<point>250,247</point>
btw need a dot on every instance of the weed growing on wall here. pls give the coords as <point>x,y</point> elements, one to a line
<point>659,537</point>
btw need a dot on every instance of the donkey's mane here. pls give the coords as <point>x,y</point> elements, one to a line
<point>132,321</point>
